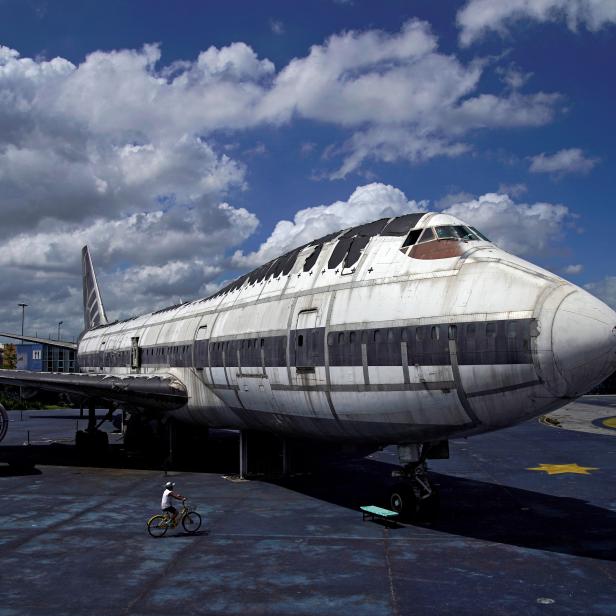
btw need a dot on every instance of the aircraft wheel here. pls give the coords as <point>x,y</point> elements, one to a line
<point>4,422</point>
<point>402,499</point>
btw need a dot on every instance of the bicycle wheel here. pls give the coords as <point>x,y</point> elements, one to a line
<point>157,526</point>
<point>191,522</point>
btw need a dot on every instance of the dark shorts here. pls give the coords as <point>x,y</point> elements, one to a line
<point>170,510</point>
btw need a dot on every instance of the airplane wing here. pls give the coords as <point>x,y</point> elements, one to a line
<point>140,391</point>
<point>57,343</point>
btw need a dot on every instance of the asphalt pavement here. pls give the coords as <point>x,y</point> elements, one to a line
<point>527,526</point>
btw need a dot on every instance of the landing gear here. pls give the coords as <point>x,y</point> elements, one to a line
<point>92,443</point>
<point>415,497</point>
<point>4,422</point>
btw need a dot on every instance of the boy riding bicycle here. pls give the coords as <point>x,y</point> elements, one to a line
<point>167,499</point>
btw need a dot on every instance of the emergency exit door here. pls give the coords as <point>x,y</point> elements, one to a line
<point>308,339</point>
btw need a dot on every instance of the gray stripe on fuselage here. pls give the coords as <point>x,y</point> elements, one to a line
<point>346,388</point>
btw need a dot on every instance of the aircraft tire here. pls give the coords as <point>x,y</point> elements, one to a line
<point>4,422</point>
<point>402,500</point>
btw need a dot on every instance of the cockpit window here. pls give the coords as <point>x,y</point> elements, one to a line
<point>481,235</point>
<point>412,237</point>
<point>426,236</point>
<point>455,232</point>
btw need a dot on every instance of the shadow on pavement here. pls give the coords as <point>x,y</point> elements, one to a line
<point>14,470</point>
<point>477,509</point>
<point>469,508</point>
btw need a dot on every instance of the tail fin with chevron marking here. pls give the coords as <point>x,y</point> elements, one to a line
<point>93,309</point>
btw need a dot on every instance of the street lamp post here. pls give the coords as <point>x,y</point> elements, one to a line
<point>23,317</point>
<point>59,325</point>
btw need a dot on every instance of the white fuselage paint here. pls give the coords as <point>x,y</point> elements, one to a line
<point>386,289</point>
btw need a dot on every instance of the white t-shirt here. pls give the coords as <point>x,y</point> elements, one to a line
<point>166,500</point>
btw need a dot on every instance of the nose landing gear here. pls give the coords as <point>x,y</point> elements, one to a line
<point>415,497</point>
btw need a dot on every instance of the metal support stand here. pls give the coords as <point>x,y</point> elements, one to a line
<point>171,425</point>
<point>91,418</point>
<point>243,453</point>
<point>285,460</point>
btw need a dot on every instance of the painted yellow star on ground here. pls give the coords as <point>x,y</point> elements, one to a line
<point>557,469</point>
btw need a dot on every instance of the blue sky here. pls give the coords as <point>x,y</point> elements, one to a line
<point>177,161</point>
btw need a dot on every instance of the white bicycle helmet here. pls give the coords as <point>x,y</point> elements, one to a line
<point>170,485</point>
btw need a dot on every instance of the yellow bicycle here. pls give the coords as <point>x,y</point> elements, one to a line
<point>160,523</point>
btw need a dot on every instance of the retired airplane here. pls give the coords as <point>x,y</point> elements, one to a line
<point>409,331</point>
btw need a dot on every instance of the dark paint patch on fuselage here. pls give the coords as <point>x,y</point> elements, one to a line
<point>478,343</point>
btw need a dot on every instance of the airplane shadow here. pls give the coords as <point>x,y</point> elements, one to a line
<point>478,509</point>
<point>469,508</point>
<point>18,471</point>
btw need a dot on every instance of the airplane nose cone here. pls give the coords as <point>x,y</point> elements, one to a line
<point>583,342</point>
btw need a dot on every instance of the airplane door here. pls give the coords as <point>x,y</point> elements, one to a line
<point>306,339</point>
<point>200,347</point>
<point>135,355</point>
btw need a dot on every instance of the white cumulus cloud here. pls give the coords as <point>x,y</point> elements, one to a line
<point>574,269</point>
<point>570,160</point>
<point>478,17</point>
<point>521,228</point>
<point>402,97</point>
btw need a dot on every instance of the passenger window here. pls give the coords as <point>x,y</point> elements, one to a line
<point>419,333</point>
<point>300,340</point>
<point>377,335</point>
<point>404,335</point>
<point>262,342</point>
<point>364,337</point>
<point>352,337</point>
<point>491,329</point>
<point>511,329</point>
<point>435,333</point>
<point>341,338</point>
<point>391,336</point>
<point>471,328</point>
<point>412,237</point>
<point>330,339</point>
<point>453,332</point>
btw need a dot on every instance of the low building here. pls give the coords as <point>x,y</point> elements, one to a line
<point>45,358</point>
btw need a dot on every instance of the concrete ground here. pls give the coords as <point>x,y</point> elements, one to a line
<point>508,541</point>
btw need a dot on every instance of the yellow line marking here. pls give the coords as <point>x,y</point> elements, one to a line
<point>558,469</point>
<point>610,422</point>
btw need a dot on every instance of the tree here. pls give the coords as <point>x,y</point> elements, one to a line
<point>9,357</point>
